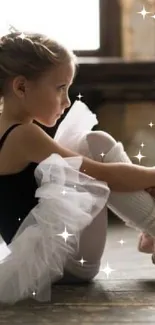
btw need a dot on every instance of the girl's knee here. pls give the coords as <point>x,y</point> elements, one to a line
<point>99,142</point>
<point>105,137</point>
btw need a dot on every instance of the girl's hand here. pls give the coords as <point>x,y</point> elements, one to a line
<point>151,191</point>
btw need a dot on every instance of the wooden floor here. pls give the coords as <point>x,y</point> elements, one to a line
<point>126,297</point>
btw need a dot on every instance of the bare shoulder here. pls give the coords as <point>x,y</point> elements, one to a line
<point>37,145</point>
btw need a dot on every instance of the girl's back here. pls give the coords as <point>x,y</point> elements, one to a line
<point>17,184</point>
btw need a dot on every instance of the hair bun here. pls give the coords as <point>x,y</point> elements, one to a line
<point>29,54</point>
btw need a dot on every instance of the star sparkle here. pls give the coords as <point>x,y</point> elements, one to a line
<point>79,96</point>
<point>107,270</point>
<point>65,235</point>
<point>143,12</point>
<point>139,156</point>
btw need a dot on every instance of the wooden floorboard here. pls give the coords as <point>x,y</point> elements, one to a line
<point>126,297</point>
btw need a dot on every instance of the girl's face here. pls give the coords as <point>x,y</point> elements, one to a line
<point>47,98</point>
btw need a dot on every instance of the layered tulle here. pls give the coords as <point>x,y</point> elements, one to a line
<point>77,123</point>
<point>68,202</point>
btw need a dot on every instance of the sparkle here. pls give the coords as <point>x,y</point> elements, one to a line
<point>121,241</point>
<point>65,235</point>
<point>143,12</point>
<point>79,96</point>
<point>84,170</point>
<point>153,16</point>
<point>151,124</point>
<point>19,219</point>
<point>63,192</point>
<point>74,186</point>
<point>107,270</point>
<point>34,293</point>
<point>142,145</point>
<point>102,154</point>
<point>139,156</point>
<point>22,36</point>
<point>82,261</point>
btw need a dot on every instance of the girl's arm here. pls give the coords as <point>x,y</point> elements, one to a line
<point>36,146</point>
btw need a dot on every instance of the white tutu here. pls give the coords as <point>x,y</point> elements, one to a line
<point>68,202</point>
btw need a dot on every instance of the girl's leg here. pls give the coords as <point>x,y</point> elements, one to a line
<point>91,248</point>
<point>137,209</point>
<point>93,237</point>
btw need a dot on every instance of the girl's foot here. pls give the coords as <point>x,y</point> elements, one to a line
<point>146,244</point>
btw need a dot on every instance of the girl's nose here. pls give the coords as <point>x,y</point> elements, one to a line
<point>67,103</point>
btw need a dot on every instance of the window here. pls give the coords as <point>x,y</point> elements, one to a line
<point>83,25</point>
<point>76,23</point>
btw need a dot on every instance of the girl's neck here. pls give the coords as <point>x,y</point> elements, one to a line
<point>12,113</point>
<point>8,119</point>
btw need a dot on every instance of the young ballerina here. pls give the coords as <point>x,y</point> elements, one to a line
<point>54,187</point>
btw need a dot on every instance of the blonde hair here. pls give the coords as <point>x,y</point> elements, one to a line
<point>30,56</point>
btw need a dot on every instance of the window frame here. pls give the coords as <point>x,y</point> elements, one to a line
<point>110,31</point>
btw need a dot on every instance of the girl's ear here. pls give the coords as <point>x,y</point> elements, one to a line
<point>19,86</point>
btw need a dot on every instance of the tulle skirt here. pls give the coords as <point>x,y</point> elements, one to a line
<point>68,202</point>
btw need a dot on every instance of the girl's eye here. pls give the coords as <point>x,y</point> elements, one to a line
<point>62,87</point>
